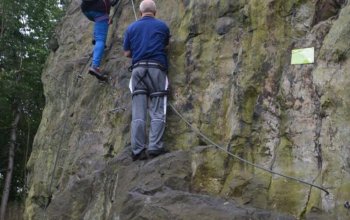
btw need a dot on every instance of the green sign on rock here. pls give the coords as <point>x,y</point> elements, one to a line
<point>303,56</point>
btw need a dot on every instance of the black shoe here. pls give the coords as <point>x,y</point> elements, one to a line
<point>95,71</point>
<point>155,153</point>
<point>140,156</point>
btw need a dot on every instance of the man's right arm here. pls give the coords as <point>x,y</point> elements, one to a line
<point>126,45</point>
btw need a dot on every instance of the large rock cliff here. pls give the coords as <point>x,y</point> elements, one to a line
<point>231,77</point>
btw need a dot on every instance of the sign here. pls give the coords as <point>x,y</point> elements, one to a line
<point>303,56</point>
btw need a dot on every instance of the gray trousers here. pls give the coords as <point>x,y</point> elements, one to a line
<point>152,80</point>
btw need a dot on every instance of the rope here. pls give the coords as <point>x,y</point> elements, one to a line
<point>133,8</point>
<point>208,140</point>
<point>116,9</point>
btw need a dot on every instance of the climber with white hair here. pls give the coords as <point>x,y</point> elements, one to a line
<point>145,41</point>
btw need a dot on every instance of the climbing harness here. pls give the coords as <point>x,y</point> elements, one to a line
<point>208,140</point>
<point>151,95</point>
<point>159,94</point>
<point>138,91</point>
<point>148,64</point>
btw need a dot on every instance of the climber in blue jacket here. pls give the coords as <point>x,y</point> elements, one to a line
<point>98,12</point>
<point>145,41</point>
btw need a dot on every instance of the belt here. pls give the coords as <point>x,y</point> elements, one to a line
<point>149,64</point>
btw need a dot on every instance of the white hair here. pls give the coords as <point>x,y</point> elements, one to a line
<point>148,6</point>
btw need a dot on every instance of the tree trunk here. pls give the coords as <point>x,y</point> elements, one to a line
<point>7,185</point>
<point>26,155</point>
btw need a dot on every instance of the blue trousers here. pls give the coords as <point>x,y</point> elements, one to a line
<point>100,35</point>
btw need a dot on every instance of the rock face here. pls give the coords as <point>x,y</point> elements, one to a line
<point>231,78</point>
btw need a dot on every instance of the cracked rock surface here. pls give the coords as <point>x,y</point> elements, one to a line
<point>231,77</point>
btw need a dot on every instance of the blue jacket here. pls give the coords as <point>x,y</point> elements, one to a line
<point>147,39</point>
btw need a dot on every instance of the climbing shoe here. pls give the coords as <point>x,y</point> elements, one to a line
<point>140,156</point>
<point>155,153</point>
<point>95,71</point>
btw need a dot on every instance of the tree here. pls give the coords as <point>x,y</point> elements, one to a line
<point>25,28</point>
<point>9,171</point>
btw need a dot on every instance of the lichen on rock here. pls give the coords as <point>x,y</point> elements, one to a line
<point>231,77</point>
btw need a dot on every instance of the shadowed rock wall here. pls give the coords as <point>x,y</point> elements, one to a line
<point>231,77</point>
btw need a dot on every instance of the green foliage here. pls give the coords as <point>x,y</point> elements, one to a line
<point>25,28</point>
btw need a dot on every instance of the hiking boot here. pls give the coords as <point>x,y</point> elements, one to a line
<point>95,71</point>
<point>155,153</point>
<point>140,156</point>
